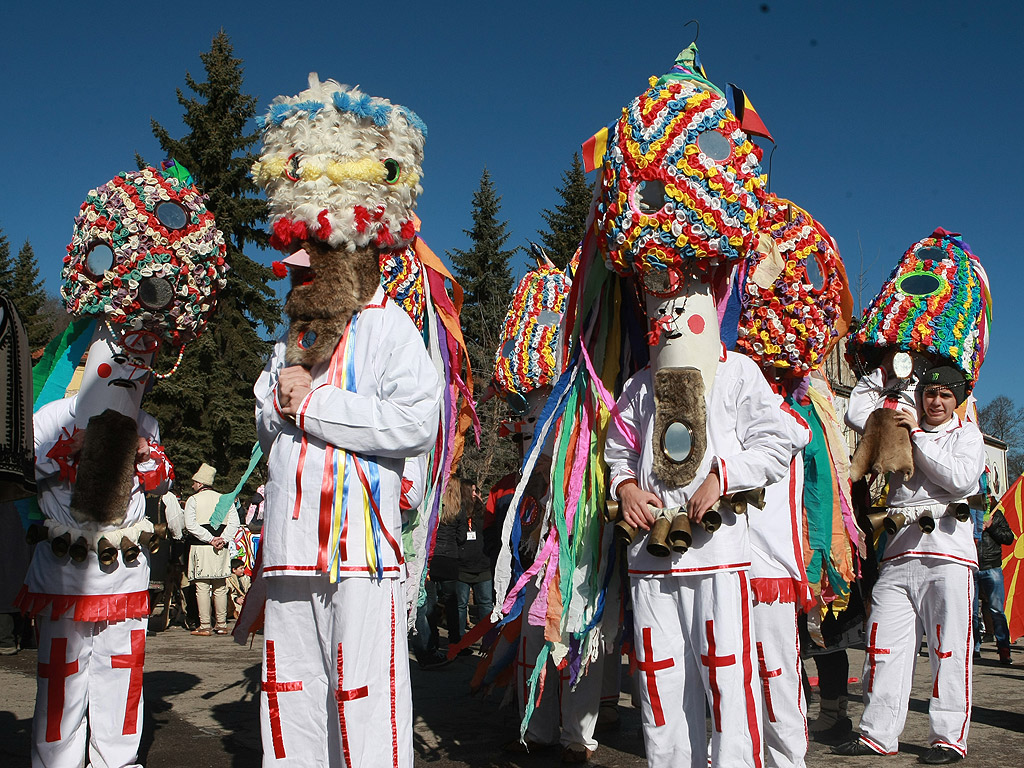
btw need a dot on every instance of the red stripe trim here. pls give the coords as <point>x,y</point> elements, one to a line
<point>876,746</point>
<point>730,566</point>
<point>394,718</point>
<point>133,605</point>
<point>724,476</point>
<point>271,687</point>
<point>955,747</point>
<point>942,555</point>
<point>748,673</point>
<point>343,568</point>
<point>277,405</point>
<point>298,477</point>
<point>967,667</point>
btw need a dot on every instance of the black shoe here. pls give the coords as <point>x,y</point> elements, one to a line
<point>940,756</point>
<point>854,748</point>
<point>835,734</point>
<point>434,660</point>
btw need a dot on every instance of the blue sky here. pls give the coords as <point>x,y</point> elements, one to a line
<point>892,118</point>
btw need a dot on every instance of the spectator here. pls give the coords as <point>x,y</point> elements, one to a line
<point>238,585</point>
<point>444,565</point>
<point>475,571</point>
<point>996,534</point>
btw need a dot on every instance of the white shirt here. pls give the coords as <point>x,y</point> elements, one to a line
<point>746,436</point>
<point>392,415</point>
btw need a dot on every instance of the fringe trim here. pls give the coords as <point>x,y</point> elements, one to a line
<point>133,605</point>
<point>781,590</point>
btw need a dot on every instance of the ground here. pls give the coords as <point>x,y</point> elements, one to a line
<point>202,702</point>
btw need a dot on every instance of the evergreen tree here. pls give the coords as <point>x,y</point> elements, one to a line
<point>484,273</point>
<point>29,297</point>
<point>206,409</point>
<point>6,265</point>
<point>567,223</point>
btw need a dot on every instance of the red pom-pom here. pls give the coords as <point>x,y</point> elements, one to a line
<point>362,218</point>
<point>384,238</point>
<point>299,231</point>
<point>279,269</point>
<point>408,230</point>
<point>282,234</point>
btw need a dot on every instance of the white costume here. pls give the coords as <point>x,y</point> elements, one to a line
<point>208,568</point>
<point>692,611</point>
<point>91,618</point>
<point>336,673</point>
<point>780,588</point>
<point>925,585</point>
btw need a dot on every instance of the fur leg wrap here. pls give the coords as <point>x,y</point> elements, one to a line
<point>884,447</point>
<point>679,396</point>
<point>106,469</point>
<point>319,310</point>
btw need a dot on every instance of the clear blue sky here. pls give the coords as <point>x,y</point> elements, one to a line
<point>891,118</point>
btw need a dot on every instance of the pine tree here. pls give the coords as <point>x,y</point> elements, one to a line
<point>6,265</point>
<point>484,273</point>
<point>567,223</point>
<point>29,297</point>
<point>206,409</point>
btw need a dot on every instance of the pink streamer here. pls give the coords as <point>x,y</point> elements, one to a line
<point>609,402</point>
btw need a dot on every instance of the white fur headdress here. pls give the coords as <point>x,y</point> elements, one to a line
<point>341,167</point>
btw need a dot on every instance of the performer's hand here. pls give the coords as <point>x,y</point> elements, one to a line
<point>635,503</point>
<point>704,498</point>
<point>906,419</point>
<point>142,451</point>
<point>219,543</point>
<point>293,384</point>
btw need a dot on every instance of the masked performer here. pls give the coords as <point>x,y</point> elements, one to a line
<point>796,304</point>
<point>347,396</point>
<point>929,326</point>
<point>142,273</point>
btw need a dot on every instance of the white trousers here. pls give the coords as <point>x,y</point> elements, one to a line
<point>914,597</point>
<point>219,590</point>
<point>563,715</point>
<point>94,669</point>
<point>783,706</point>
<point>694,643</point>
<point>335,686</point>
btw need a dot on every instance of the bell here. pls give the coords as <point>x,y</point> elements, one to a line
<point>926,523</point>
<point>877,519</point>
<point>961,512</point>
<point>105,551</point>
<point>611,510</point>
<point>657,542</point>
<point>129,550</point>
<point>60,545</point>
<point>711,521</point>
<point>624,532</point>
<point>79,550</point>
<point>36,533</point>
<point>150,540</point>
<point>894,522</point>
<point>679,534</point>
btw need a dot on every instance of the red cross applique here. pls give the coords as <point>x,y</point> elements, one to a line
<point>342,696</point>
<point>941,655</point>
<point>56,671</point>
<point>133,661</point>
<point>766,675</point>
<point>713,662</point>
<point>873,650</point>
<point>650,666</point>
<point>271,687</point>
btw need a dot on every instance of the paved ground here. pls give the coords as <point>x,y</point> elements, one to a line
<point>201,710</point>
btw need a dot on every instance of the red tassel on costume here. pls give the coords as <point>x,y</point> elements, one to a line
<point>299,230</point>
<point>408,230</point>
<point>279,269</point>
<point>362,218</point>
<point>385,238</point>
<point>282,236</point>
<point>324,231</point>
<point>661,325</point>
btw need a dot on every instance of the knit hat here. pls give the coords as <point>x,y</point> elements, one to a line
<point>948,377</point>
<point>205,475</point>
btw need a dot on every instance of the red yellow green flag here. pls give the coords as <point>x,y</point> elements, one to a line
<point>1012,505</point>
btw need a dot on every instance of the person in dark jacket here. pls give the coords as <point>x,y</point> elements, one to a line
<point>995,535</point>
<point>475,570</point>
<point>444,565</point>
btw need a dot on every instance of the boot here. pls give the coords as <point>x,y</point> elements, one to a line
<point>832,725</point>
<point>1004,656</point>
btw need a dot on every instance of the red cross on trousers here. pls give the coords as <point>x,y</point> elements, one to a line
<point>713,662</point>
<point>57,671</point>
<point>766,675</point>
<point>342,696</point>
<point>873,650</point>
<point>941,655</point>
<point>650,667</point>
<point>133,661</point>
<point>271,687</point>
